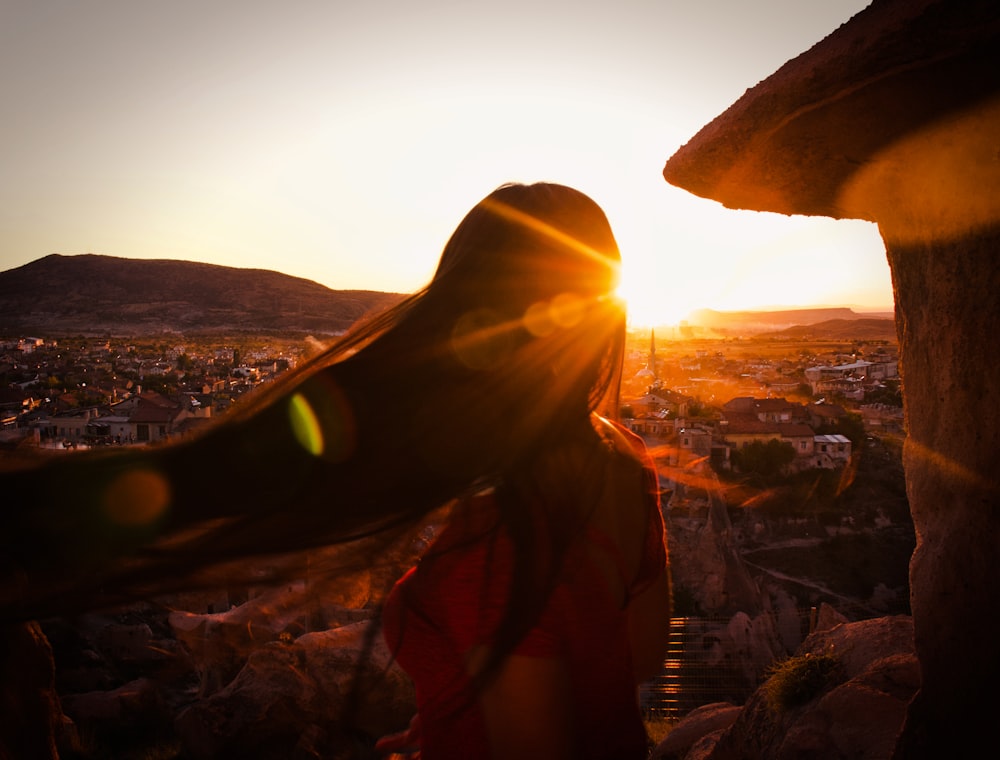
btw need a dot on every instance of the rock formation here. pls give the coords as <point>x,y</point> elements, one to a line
<point>894,118</point>
<point>856,711</point>
<point>706,721</point>
<point>299,670</point>
<point>137,708</point>
<point>325,695</point>
<point>31,722</point>
<point>706,564</point>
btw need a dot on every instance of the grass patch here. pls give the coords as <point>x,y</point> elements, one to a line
<point>799,680</point>
<point>657,728</point>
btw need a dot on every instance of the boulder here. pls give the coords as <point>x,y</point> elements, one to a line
<point>135,709</point>
<point>80,665</point>
<point>858,712</point>
<point>321,695</point>
<point>828,617</point>
<point>32,724</point>
<point>699,723</point>
<point>753,644</point>
<point>221,642</point>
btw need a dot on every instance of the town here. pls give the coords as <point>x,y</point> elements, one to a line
<point>710,400</point>
<point>83,392</point>
<point>705,399</point>
<point>755,439</point>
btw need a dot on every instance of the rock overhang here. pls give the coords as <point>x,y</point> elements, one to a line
<point>899,108</point>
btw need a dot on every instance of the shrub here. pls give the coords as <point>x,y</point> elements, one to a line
<point>797,681</point>
<point>657,728</point>
<point>766,460</point>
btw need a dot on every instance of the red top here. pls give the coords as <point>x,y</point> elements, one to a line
<point>454,600</point>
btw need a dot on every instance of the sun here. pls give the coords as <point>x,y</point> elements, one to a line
<point>648,303</point>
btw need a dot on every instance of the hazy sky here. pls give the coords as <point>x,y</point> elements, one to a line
<point>343,141</point>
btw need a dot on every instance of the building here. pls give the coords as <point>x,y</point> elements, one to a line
<point>747,420</point>
<point>831,451</point>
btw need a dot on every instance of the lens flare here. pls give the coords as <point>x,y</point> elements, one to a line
<point>538,319</point>
<point>535,224</point>
<point>136,497</point>
<point>568,310</point>
<point>323,422</point>
<point>305,425</point>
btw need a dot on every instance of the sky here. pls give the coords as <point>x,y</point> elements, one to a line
<point>343,141</point>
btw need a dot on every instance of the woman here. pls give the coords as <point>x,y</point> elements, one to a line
<point>481,391</point>
<point>528,624</point>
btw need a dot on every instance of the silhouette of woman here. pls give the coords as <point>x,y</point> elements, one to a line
<point>545,599</point>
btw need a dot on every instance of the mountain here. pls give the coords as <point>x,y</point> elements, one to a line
<point>753,322</point>
<point>92,294</point>
<point>841,329</point>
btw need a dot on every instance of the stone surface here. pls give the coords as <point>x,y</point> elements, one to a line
<point>323,694</point>
<point>31,718</point>
<point>754,644</point>
<point>707,565</point>
<point>949,314</point>
<point>795,142</point>
<point>137,708</point>
<point>828,617</point>
<point>860,712</point>
<point>699,723</point>
<point>221,642</point>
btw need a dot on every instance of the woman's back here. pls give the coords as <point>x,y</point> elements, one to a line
<point>446,611</point>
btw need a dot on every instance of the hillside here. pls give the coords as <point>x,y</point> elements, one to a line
<point>92,294</point>
<point>755,322</point>
<point>840,329</point>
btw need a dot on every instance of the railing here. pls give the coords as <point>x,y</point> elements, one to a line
<point>689,677</point>
<point>698,671</point>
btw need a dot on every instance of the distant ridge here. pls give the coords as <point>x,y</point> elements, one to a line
<point>94,294</point>
<point>841,329</point>
<point>837,319</point>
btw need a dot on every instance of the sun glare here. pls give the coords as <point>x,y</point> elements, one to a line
<point>647,303</point>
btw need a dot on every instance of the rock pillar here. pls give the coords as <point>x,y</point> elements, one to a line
<point>947,293</point>
<point>31,716</point>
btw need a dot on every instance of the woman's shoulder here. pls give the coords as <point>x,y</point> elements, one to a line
<point>619,437</point>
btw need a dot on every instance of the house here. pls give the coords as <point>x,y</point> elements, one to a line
<point>661,399</point>
<point>658,423</point>
<point>153,419</point>
<point>149,416</point>
<point>112,428</point>
<point>849,379</point>
<point>883,418</point>
<point>822,414</point>
<point>70,425</point>
<point>800,436</point>
<point>696,448</point>
<point>831,451</point>
<point>766,409</point>
<point>695,440</point>
<point>846,386</point>
<point>740,430</point>
<point>748,420</point>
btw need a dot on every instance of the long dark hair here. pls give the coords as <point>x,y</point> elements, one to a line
<point>516,340</point>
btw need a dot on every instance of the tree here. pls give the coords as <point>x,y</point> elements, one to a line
<point>765,460</point>
<point>890,394</point>
<point>851,426</point>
